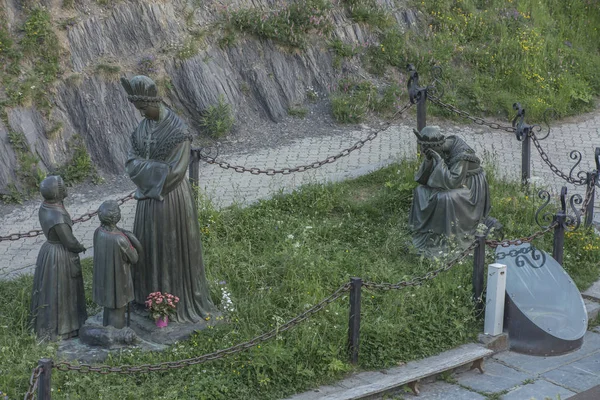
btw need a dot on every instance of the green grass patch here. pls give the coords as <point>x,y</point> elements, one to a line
<point>355,99</point>
<point>297,112</point>
<point>289,25</point>
<point>278,258</point>
<point>494,53</point>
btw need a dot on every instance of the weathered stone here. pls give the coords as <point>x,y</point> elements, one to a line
<point>106,336</point>
<point>258,78</point>
<point>496,343</point>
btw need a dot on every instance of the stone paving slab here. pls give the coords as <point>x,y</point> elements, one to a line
<point>580,375</point>
<point>539,365</point>
<point>444,391</point>
<point>538,390</point>
<point>497,377</point>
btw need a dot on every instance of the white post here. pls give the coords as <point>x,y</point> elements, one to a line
<point>494,310</point>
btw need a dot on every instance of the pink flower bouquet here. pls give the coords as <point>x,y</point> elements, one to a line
<point>161,304</point>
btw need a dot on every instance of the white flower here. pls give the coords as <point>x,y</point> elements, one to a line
<point>297,244</point>
<point>290,236</point>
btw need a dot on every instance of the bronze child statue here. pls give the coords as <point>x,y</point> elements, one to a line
<point>453,196</point>
<point>58,299</point>
<point>115,250</point>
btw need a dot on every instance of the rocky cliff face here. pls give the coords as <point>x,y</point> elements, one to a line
<point>257,77</point>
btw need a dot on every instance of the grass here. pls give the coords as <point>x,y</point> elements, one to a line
<point>494,53</point>
<point>289,25</point>
<point>355,100</point>
<point>541,53</point>
<point>297,112</point>
<point>276,259</point>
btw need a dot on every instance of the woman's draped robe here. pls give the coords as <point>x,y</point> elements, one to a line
<point>166,219</point>
<point>451,200</point>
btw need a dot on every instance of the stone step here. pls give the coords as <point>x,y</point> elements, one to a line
<point>593,292</point>
<point>592,308</point>
<point>371,384</point>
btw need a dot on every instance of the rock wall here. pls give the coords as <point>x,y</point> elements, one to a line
<point>258,78</point>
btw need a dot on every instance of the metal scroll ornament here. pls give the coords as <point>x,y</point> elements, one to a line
<point>571,221</point>
<point>525,256</point>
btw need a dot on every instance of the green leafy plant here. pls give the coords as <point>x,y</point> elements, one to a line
<point>217,120</point>
<point>80,166</point>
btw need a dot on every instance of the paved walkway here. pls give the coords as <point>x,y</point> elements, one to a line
<point>224,187</point>
<point>508,376</point>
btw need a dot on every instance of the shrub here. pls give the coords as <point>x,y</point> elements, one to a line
<point>217,120</point>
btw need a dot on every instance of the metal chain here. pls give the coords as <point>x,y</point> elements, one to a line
<point>314,165</point>
<point>33,382</point>
<point>588,194</point>
<point>518,242</point>
<point>85,217</point>
<point>553,167</point>
<point>477,120</point>
<point>163,366</point>
<point>419,280</point>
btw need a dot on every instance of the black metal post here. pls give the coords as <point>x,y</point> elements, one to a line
<point>422,111</point>
<point>589,212</point>
<point>354,320</point>
<point>478,271</point>
<point>194,171</point>
<point>44,382</point>
<point>559,236</point>
<point>526,159</point>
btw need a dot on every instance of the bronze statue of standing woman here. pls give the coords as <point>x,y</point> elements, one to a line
<point>166,219</point>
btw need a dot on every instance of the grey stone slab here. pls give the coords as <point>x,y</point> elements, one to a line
<point>539,365</point>
<point>593,292</point>
<point>592,308</point>
<point>497,377</point>
<point>538,390</point>
<point>444,391</point>
<point>579,375</point>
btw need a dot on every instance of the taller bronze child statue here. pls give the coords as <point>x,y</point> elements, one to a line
<point>58,297</point>
<point>166,218</point>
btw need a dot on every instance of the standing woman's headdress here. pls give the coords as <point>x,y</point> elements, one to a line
<point>141,88</point>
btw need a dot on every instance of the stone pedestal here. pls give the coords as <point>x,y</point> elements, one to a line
<point>96,342</point>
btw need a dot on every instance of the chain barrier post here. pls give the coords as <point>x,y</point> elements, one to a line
<point>418,96</point>
<point>526,159</point>
<point>45,382</point>
<point>194,171</point>
<point>478,271</point>
<point>354,320</point>
<point>559,236</point>
<point>589,211</point>
<point>523,134</point>
<point>591,181</point>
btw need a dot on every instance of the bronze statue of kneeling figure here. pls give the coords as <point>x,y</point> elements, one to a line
<point>452,198</point>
